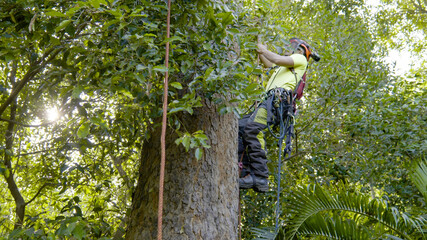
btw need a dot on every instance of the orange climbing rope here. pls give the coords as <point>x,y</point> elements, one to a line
<point>163,136</point>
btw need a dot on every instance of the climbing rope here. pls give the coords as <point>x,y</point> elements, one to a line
<point>240,198</point>
<point>285,130</point>
<point>163,136</point>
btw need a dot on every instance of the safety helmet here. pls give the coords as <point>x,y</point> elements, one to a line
<point>308,51</point>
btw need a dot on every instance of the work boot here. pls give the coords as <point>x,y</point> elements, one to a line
<point>245,171</point>
<point>259,184</point>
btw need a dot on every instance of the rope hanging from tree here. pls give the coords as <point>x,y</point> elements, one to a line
<point>163,136</point>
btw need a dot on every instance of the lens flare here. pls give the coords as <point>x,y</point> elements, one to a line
<point>52,114</point>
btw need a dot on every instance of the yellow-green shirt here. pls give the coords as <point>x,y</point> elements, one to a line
<point>283,76</point>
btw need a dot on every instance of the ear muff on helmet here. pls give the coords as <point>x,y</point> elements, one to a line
<point>306,51</point>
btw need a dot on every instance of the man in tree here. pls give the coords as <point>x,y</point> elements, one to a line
<point>289,68</point>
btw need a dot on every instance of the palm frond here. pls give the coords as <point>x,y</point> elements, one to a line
<point>308,202</point>
<point>264,233</point>
<point>419,176</point>
<point>335,227</point>
<point>392,237</point>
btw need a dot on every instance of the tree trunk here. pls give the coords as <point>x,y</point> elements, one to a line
<point>200,196</point>
<point>11,184</point>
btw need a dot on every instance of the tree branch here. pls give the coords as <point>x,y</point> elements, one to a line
<point>38,193</point>
<point>117,162</point>
<point>25,125</point>
<point>292,156</point>
<point>11,184</point>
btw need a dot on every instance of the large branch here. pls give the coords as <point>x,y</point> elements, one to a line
<point>117,163</point>
<point>11,184</point>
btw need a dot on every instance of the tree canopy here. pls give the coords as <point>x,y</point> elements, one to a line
<point>81,88</point>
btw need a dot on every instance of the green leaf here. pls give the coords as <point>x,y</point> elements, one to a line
<point>160,68</point>
<point>140,67</point>
<point>150,35</point>
<point>83,130</point>
<point>177,109</point>
<point>189,110</point>
<point>233,30</point>
<point>99,122</point>
<point>53,13</point>
<point>186,142</point>
<point>251,87</point>
<point>54,41</point>
<point>199,134</point>
<point>62,25</point>
<point>174,38</point>
<point>250,45</point>
<point>253,31</point>
<point>79,231</point>
<point>77,91</point>
<point>70,228</point>
<point>199,153</point>
<point>97,3</point>
<point>208,72</point>
<point>116,13</point>
<point>226,18</point>
<point>73,10</point>
<point>126,93</point>
<point>176,85</point>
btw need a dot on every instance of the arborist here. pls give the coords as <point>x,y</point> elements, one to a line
<point>288,70</point>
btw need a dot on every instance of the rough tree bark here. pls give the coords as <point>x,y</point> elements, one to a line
<point>201,196</point>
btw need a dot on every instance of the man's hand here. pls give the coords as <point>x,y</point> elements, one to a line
<point>268,57</point>
<point>261,48</point>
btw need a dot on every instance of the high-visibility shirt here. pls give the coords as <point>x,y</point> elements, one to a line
<point>283,76</point>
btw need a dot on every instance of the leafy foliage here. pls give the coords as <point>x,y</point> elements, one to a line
<point>100,64</point>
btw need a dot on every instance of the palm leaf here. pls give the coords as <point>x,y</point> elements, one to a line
<point>306,203</point>
<point>264,233</point>
<point>335,227</point>
<point>419,176</point>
